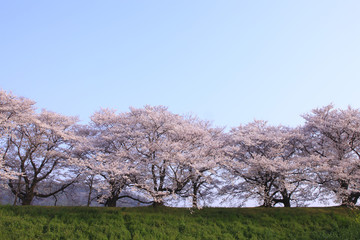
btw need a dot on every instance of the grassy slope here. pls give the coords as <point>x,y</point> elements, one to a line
<point>174,223</point>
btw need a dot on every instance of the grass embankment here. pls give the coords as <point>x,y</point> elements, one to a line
<point>35,222</point>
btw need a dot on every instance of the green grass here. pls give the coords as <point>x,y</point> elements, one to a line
<point>34,222</point>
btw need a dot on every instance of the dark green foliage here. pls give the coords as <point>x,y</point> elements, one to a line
<point>33,222</point>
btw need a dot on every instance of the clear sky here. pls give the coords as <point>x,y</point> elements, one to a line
<point>226,61</point>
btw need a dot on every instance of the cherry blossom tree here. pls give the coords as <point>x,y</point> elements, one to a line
<point>38,150</point>
<point>154,135</point>
<point>264,164</point>
<point>201,151</point>
<point>333,139</point>
<point>103,156</point>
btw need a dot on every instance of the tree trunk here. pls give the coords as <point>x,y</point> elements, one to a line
<point>89,199</point>
<point>27,199</point>
<point>17,192</point>
<point>267,203</point>
<point>348,200</point>
<point>114,194</point>
<point>286,198</point>
<point>56,199</point>
<point>267,199</point>
<point>344,196</point>
<point>15,200</point>
<point>345,203</point>
<point>111,202</point>
<point>90,190</point>
<point>286,202</point>
<point>194,201</point>
<point>194,195</point>
<point>158,204</point>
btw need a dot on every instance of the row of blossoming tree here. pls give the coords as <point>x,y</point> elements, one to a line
<point>156,157</point>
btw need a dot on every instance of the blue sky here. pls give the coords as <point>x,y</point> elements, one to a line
<point>226,61</point>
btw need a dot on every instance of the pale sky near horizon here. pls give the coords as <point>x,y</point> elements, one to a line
<point>229,62</point>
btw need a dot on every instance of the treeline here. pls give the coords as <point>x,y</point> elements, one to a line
<point>152,156</point>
